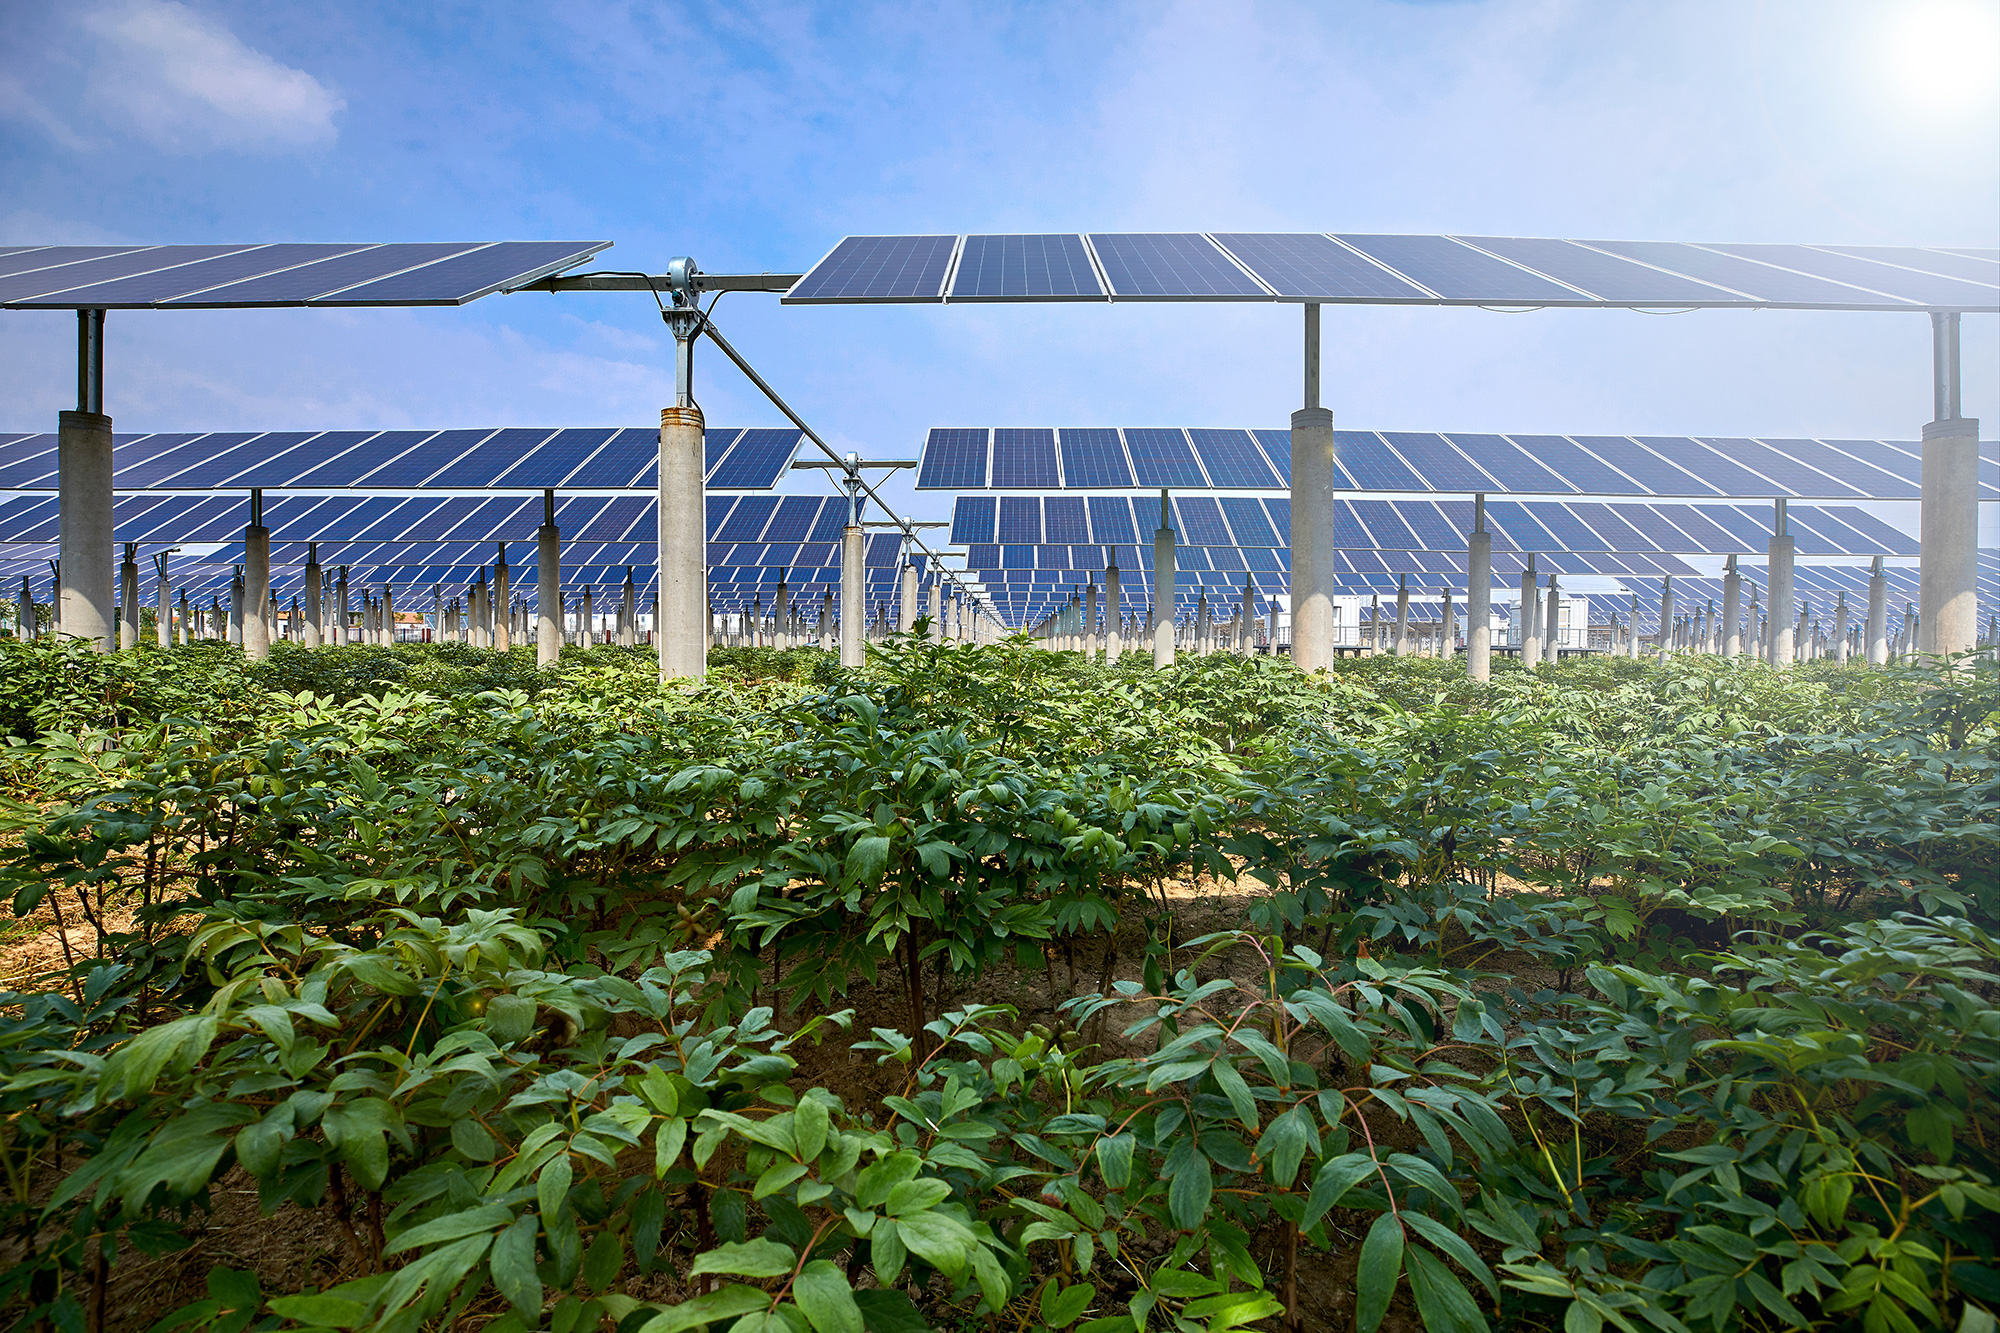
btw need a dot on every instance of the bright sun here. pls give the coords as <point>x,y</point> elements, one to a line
<point>1943,56</point>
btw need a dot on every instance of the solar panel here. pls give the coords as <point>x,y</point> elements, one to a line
<point>1277,447</point>
<point>1024,458</point>
<point>1281,518</point>
<point>831,523</point>
<point>468,276</point>
<point>479,465</point>
<point>1170,266</point>
<point>1786,472</point>
<point>1232,458</point>
<point>1768,285</point>
<point>626,459</point>
<point>1063,521</point>
<point>879,268</point>
<point>1111,521</point>
<point>1161,457</point>
<point>1312,266</point>
<point>1523,530</point>
<point>1611,527</point>
<point>1718,469</point>
<point>1570,531</point>
<point>1924,288</point>
<point>1248,521</point>
<point>1742,531</point>
<point>760,457</point>
<point>1944,263</point>
<point>954,459</point>
<point>1438,463</point>
<point>1653,474</point>
<point>550,463</point>
<point>1199,521</point>
<point>1014,268</point>
<point>1020,519</point>
<point>747,520</point>
<point>1609,277</point>
<point>1873,477</point>
<point>1458,272</point>
<point>1514,468</point>
<point>1093,457</point>
<point>794,520</point>
<point>1385,525</point>
<point>1433,531</point>
<point>1369,461</point>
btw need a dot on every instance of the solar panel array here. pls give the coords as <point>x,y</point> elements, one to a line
<point>1057,522</point>
<point>593,458</point>
<point>192,277</point>
<point>1356,268</point>
<point>1106,458</point>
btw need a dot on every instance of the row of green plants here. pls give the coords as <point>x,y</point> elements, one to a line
<point>1616,994</point>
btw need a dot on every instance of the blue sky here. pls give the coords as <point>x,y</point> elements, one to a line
<point>754,136</point>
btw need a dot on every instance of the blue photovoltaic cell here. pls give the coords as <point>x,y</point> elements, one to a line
<point>1063,521</point>
<point>1458,272</point>
<point>1169,265</point>
<point>1385,525</point>
<point>328,275</point>
<point>456,518</point>
<point>1519,524</point>
<point>831,523</point>
<point>1024,458</point>
<point>1941,262</point>
<point>1654,475</point>
<point>1232,458</point>
<point>1248,521</point>
<point>560,455</point>
<point>1370,463</point>
<point>1584,472</point>
<point>1433,531</point>
<point>280,456</point>
<point>879,268</point>
<point>1782,469</point>
<point>1277,447</point>
<point>1767,284</point>
<point>747,520</point>
<point>181,280</point>
<point>1086,557</point>
<point>794,519</point>
<point>346,468</point>
<point>26,286</point>
<point>1611,526</point>
<point>1226,558</point>
<point>1839,536</point>
<point>1876,532</point>
<point>1162,458</point>
<point>954,459</point>
<point>220,458</point>
<point>973,519</point>
<point>169,463</point>
<point>1349,533</point>
<point>715,445</point>
<point>1443,467</point>
<point>1685,530</point>
<point>1315,267</point>
<point>479,465</point>
<point>626,458</point>
<point>25,466</point>
<point>1020,519</point>
<point>411,468</point>
<point>1093,457</point>
<point>464,277</point>
<point>1024,267</point>
<point>1870,475</point>
<point>1807,538</point>
<point>1200,521</point>
<point>34,257</point>
<point>1719,470</point>
<point>1608,277</point>
<point>1052,557</point>
<point>1280,511</point>
<point>1508,464</point>
<point>1111,521</point>
<point>1923,288</point>
<point>1017,557</point>
<point>760,457</point>
<point>1570,532</point>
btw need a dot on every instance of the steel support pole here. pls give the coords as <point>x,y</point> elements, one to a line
<point>1163,585</point>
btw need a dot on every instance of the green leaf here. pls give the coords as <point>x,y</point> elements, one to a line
<point>1062,1310</point>
<point>889,1311</point>
<point>1380,1267</point>
<point>914,1196</point>
<point>809,1127</point>
<point>360,1130</point>
<point>472,1140</point>
<point>321,1309</point>
<point>1237,1091</point>
<point>1189,1194</point>
<point>868,859</point>
<point>750,1258</point>
<point>731,1302</point>
<point>552,1187</point>
<point>1454,1246</point>
<point>1442,1300</point>
<point>1114,1159</point>
<point>942,1242</point>
<point>441,1229</point>
<point>822,1292</point>
<point>513,1266</point>
<point>1333,1182</point>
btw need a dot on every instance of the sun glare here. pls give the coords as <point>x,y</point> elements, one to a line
<point>1943,56</point>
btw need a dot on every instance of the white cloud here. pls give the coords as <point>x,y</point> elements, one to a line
<point>187,84</point>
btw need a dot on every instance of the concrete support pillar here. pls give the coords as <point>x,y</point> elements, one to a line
<point>683,544</point>
<point>1666,617</point>
<point>1315,542</point>
<point>1782,597</point>
<point>341,609</point>
<point>1374,623</point>
<point>628,613</point>
<point>781,613</point>
<point>1732,611</point>
<point>1531,644</point>
<point>1447,637</point>
<point>1402,615</point>
<point>1203,630</point>
<point>906,601</point>
<point>163,606</point>
<point>1878,615</point>
<point>1947,581</point>
<point>388,615</point>
<point>937,611</point>
<point>1114,612</point>
<point>1552,623</point>
<point>256,582</point>
<point>826,621</point>
<point>1799,653</point>
<point>83,599</point>
<point>128,598</point>
<point>1163,584</point>
<point>1090,620</point>
<point>548,587</point>
<point>587,619</point>
<point>1479,604</point>
<point>315,622</point>
<point>236,609</point>
<point>503,602</point>
<point>25,611</point>
<point>1840,629</point>
<point>853,607</point>
<point>186,626</point>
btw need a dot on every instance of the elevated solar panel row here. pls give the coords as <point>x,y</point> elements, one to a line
<point>1349,267</point>
<point>1415,461</point>
<point>486,458</point>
